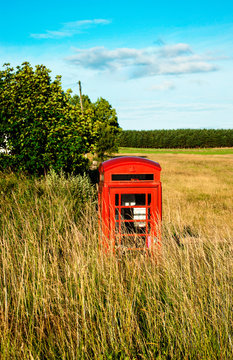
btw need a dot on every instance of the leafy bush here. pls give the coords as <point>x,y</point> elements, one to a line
<point>60,198</point>
<point>42,127</point>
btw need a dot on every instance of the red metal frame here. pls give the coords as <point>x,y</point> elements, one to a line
<point>111,216</point>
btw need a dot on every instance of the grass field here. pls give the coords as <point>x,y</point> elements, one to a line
<point>61,298</point>
<point>202,151</point>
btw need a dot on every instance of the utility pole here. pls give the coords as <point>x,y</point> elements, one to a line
<point>80,95</point>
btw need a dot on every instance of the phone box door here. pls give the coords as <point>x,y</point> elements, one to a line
<point>134,217</point>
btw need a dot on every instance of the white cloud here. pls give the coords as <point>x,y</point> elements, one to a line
<point>86,22</point>
<point>168,59</point>
<point>52,34</point>
<point>175,50</point>
<point>69,29</point>
<point>186,67</point>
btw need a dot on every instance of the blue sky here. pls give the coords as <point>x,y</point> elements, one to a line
<point>160,64</point>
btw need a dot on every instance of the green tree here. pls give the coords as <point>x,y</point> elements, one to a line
<point>105,124</point>
<point>87,104</point>
<point>107,128</point>
<point>39,125</point>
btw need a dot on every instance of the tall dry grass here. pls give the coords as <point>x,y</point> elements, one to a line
<point>61,298</point>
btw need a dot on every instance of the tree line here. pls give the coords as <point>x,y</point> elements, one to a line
<point>43,127</point>
<point>181,138</point>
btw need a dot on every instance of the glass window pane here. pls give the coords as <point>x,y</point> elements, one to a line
<point>149,199</point>
<point>127,214</point>
<point>148,227</point>
<point>133,199</point>
<point>148,213</point>
<point>116,199</point>
<point>128,177</point>
<point>133,227</point>
<point>133,213</point>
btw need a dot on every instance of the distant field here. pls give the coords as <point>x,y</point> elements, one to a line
<point>200,187</point>
<point>207,151</point>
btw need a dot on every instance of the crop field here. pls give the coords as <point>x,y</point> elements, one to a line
<point>199,151</point>
<point>62,298</point>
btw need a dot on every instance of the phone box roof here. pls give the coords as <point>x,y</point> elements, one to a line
<point>129,165</point>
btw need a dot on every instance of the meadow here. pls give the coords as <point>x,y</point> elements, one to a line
<point>198,151</point>
<point>62,298</point>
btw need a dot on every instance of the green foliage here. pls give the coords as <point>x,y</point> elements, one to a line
<point>105,124</point>
<point>181,138</point>
<point>39,126</point>
<point>108,128</point>
<point>75,100</point>
<point>50,195</point>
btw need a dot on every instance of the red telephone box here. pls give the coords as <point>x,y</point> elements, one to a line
<point>130,203</point>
